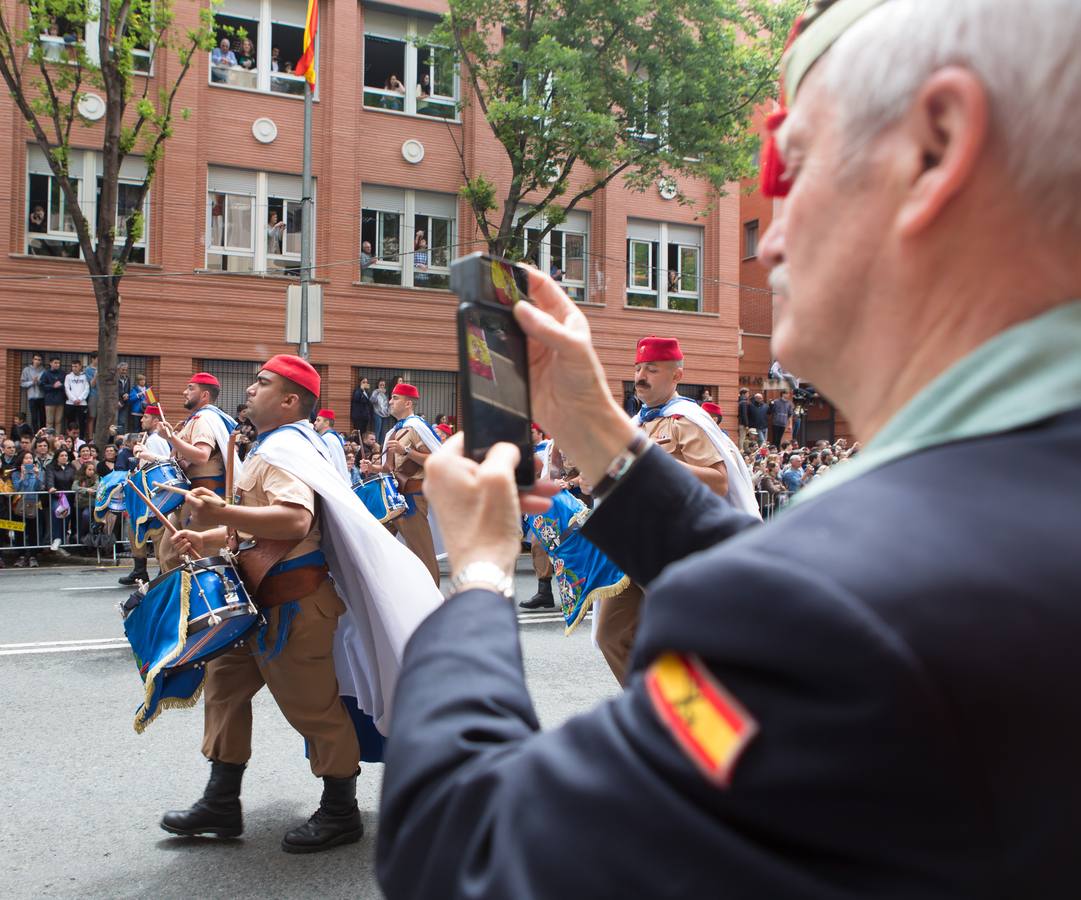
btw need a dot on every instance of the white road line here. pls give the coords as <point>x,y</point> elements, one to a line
<point>99,587</point>
<point>82,642</point>
<point>25,651</point>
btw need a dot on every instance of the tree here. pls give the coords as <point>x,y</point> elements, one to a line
<point>636,88</point>
<point>52,53</point>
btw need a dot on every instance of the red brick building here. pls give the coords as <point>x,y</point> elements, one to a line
<point>223,224</point>
<point>756,317</point>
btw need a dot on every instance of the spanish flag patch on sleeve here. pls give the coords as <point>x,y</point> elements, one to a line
<point>708,724</point>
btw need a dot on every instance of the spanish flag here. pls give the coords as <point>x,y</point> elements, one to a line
<point>151,397</point>
<point>306,63</point>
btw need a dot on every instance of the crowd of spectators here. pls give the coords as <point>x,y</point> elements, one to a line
<point>49,465</point>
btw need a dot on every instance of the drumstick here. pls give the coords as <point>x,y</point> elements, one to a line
<point>216,501</point>
<point>157,512</point>
<point>230,451</point>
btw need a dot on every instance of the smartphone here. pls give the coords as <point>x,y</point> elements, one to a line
<point>493,363</point>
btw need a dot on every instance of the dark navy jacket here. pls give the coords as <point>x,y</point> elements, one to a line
<point>909,645</point>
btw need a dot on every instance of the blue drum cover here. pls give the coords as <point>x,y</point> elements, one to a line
<point>381,497</point>
<point>157,630</point>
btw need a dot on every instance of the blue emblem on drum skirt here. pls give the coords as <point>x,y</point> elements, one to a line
<point>108,486</point>
<point>584,574</point>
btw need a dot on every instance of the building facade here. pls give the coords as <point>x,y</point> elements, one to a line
<point>390,151</point>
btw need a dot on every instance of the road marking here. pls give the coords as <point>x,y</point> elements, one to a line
<point>63,646</point>
<point>100,587</point>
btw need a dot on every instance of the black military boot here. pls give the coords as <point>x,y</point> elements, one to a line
<point>217,812</point>
<point>138,573</point>
<point>543,599</point>
<point>337,821</point>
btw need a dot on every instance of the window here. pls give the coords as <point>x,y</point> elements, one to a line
<point>563,252</point>
<point>750,239</point>
<point>402,75</point>
<point>259,43</point>
<point>438,390</point>
<point>253,222</point>
<point>422,223</point>
<point>237,375</point>
<point>50,224</point>
<point>664,266</point>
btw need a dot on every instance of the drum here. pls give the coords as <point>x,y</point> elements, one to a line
<point>219,614</point>
<point>110,494</point>
<point>380,494</point>
<point>184,619</point>
<point>151,478</point>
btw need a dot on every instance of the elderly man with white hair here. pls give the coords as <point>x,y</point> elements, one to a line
<point>888,707</point>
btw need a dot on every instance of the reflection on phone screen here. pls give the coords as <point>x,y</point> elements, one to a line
<point>499,395</point>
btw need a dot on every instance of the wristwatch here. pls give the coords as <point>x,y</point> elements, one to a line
<point>482,574</point>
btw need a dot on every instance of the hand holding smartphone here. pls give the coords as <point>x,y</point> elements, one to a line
<point>492,358</point>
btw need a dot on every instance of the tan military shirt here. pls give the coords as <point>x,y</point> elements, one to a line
<point>684,440</point>
<point>261,484</point>
<point>198,431</point>
<point>406,469</point>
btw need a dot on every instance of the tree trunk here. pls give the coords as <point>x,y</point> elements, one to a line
<point>108,299</point>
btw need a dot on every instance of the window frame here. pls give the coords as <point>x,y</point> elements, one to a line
<point>750,247</point>
<point>666,299</point>
<point>265,76</point>
<point>408,214</point>
<point>83,170</point>
<point>544,251</point>
<point>415,46</point>
<point>261,196</point>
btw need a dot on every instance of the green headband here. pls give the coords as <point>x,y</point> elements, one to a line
<point>820,31</point>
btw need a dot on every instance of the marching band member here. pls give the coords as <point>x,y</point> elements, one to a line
<point>341,597</point>
<point>405,450</point>
<point>689,434</point>
<point>324,425</point>
<point>153,448</point>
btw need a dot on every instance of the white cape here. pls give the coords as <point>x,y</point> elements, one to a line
<point>387,591</point>
<point>740,485</point>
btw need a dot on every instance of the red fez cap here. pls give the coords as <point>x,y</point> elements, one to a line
<point>326,414</point>
<point>655,349</point>
<point>296,370</point>
<point>204,378</point>
<point>153,410</point>
<point>445,430</point>
<point>713,409</point>
<point>405,390</point>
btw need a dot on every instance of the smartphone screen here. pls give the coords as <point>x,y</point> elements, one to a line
<point>493,360</point>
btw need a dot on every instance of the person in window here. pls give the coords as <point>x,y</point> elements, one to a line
<point>367,260</point>
<point>393,83</point>
<point>37,218</point>
<point>424,88</point>
<point>275,52</point>
<point>246,57</point>
<point>221,59</point>
<point>420,259</point>
<point>555,272</point>
<point>275,234</point>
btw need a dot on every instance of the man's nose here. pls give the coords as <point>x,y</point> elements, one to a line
<point>771,247</point>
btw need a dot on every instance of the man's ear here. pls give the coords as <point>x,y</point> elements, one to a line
<point>948,128</point>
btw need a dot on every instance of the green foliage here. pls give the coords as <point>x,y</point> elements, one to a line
<point>617,88</point>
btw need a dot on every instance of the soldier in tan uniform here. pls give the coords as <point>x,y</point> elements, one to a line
<point>658,369</point>
<point>275,525</point>
<point>404,453</point>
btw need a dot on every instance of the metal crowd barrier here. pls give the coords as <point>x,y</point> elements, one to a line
<point>28,524</point>
<point>770,503</point>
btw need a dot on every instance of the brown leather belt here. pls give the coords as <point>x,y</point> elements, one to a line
<point>274,590</point>
<point>413,486</point>
<point>210,482</point>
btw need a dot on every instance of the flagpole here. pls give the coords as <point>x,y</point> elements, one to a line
<point>306,222</point>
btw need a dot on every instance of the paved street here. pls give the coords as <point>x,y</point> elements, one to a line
<point>82,793</point>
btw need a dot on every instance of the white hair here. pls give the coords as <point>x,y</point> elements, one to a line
<point>1023,51</point>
